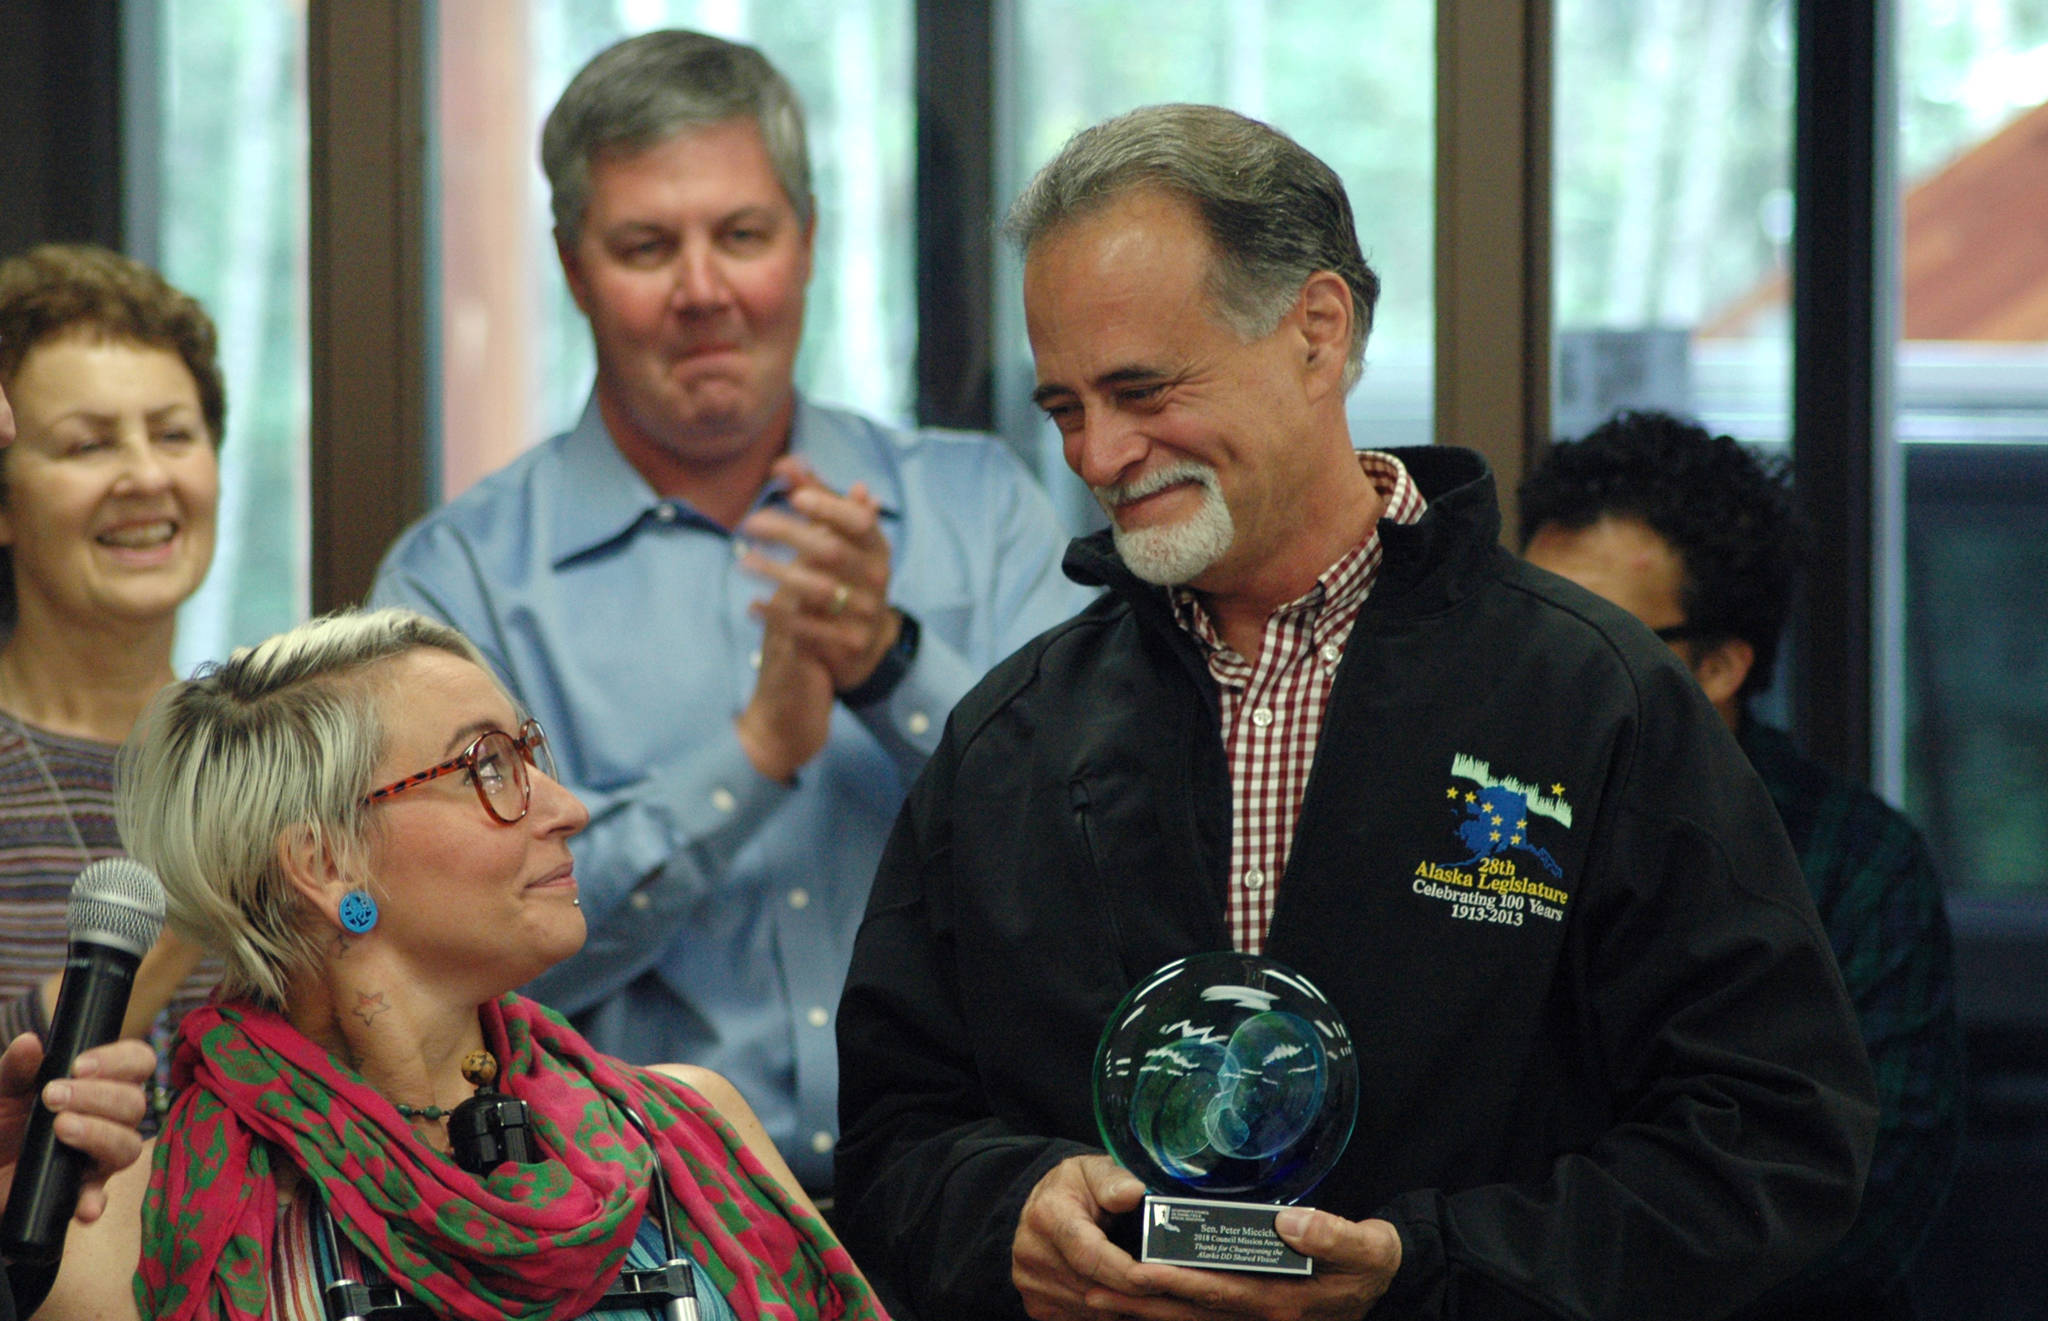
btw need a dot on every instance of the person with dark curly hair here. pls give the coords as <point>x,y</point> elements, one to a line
<point>1700,538</point>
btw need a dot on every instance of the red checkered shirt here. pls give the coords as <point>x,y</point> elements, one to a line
<point>1273,711</point>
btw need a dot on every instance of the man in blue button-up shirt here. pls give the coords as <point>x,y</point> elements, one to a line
<point>742,617</point>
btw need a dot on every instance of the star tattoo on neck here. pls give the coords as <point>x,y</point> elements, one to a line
<point>369,1004</point>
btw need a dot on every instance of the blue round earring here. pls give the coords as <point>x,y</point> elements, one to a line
<point>358,911</point>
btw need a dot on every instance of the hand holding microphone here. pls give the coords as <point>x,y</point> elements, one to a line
<point>117,909</point>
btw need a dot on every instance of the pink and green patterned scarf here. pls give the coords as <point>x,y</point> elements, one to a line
<point>530,1241</point>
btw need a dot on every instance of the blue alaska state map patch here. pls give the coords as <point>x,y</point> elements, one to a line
<point>1495,868</point>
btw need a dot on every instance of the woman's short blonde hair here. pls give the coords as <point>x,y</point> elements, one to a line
<point>284,734</point>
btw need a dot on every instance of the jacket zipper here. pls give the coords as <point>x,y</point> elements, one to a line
<point>1077,798</point>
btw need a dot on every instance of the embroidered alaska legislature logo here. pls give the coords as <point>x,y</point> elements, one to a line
<point>1503,874</point>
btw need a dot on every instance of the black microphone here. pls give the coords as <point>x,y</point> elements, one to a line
<point>117,909</point>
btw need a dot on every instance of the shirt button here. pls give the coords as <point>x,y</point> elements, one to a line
<point>740,548</point>
<point>818,1017</point>
<point>1253,878</point>
<point>1332,653</point>
<point>640,901</point>
<point>1262,717</point>
<point>799,898</point>
<point>664,512</point>
<point>754,658</point>
<point>917,722</point>
<point>722,799</point>
<point>821,1142</point>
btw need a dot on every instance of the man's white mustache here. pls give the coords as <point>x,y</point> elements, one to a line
<point>1187,470</point>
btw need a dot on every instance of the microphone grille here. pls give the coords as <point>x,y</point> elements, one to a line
<point>118,902</point>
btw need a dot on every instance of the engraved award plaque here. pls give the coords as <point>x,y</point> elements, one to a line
<point>1228,1085</point>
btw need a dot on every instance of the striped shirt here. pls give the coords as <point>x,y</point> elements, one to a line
<point>1272,712</point>
<point>50,786</point>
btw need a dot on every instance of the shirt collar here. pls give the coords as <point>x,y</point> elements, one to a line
<point>604,498</point>
<point>1346,581</point>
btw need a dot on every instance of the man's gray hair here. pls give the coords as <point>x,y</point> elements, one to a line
<point>644,90</point>
<point>283,735</point>
<point>1275,213</point>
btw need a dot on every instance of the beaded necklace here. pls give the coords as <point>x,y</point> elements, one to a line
<point>479,1070</point>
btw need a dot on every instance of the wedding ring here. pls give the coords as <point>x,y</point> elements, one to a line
<point>841,594</point>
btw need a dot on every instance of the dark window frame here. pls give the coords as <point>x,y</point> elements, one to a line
<point>372,426</point>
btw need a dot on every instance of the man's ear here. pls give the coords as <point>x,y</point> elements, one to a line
<point>313,870</point>
<point>1326,316</point>
<point>1722,670</point>
<point>572,272</point>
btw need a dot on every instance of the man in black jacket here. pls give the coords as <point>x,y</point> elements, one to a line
<point>1608,1067</point>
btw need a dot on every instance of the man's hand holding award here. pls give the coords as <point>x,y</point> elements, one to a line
<point>1228,1085</point>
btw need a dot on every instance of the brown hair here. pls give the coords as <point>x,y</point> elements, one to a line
<point>62,289</point>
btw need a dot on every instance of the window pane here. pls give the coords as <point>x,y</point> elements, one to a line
<point>505,313</point>
<point>1673,212</point>
<point>1355,84</point>
<point>230,225</point>
<point>1973,418</point>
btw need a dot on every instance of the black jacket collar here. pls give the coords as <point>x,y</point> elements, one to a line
<point>1429,564</point>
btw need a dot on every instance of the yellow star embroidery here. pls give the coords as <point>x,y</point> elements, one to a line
<point>1557,791</point>
<point>1471,797</point>
<point>1496,837</point>
<point>1451,792</point>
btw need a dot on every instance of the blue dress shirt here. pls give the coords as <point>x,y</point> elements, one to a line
<point>722,905</point>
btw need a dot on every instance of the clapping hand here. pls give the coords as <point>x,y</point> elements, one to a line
<point>827,624</point>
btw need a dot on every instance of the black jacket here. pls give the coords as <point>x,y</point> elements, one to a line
<point>1607,1066</point>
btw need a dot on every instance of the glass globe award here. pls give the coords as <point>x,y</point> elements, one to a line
<point>1228,1085</point>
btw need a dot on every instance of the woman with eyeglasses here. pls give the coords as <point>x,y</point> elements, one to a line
<point>357,818</point>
